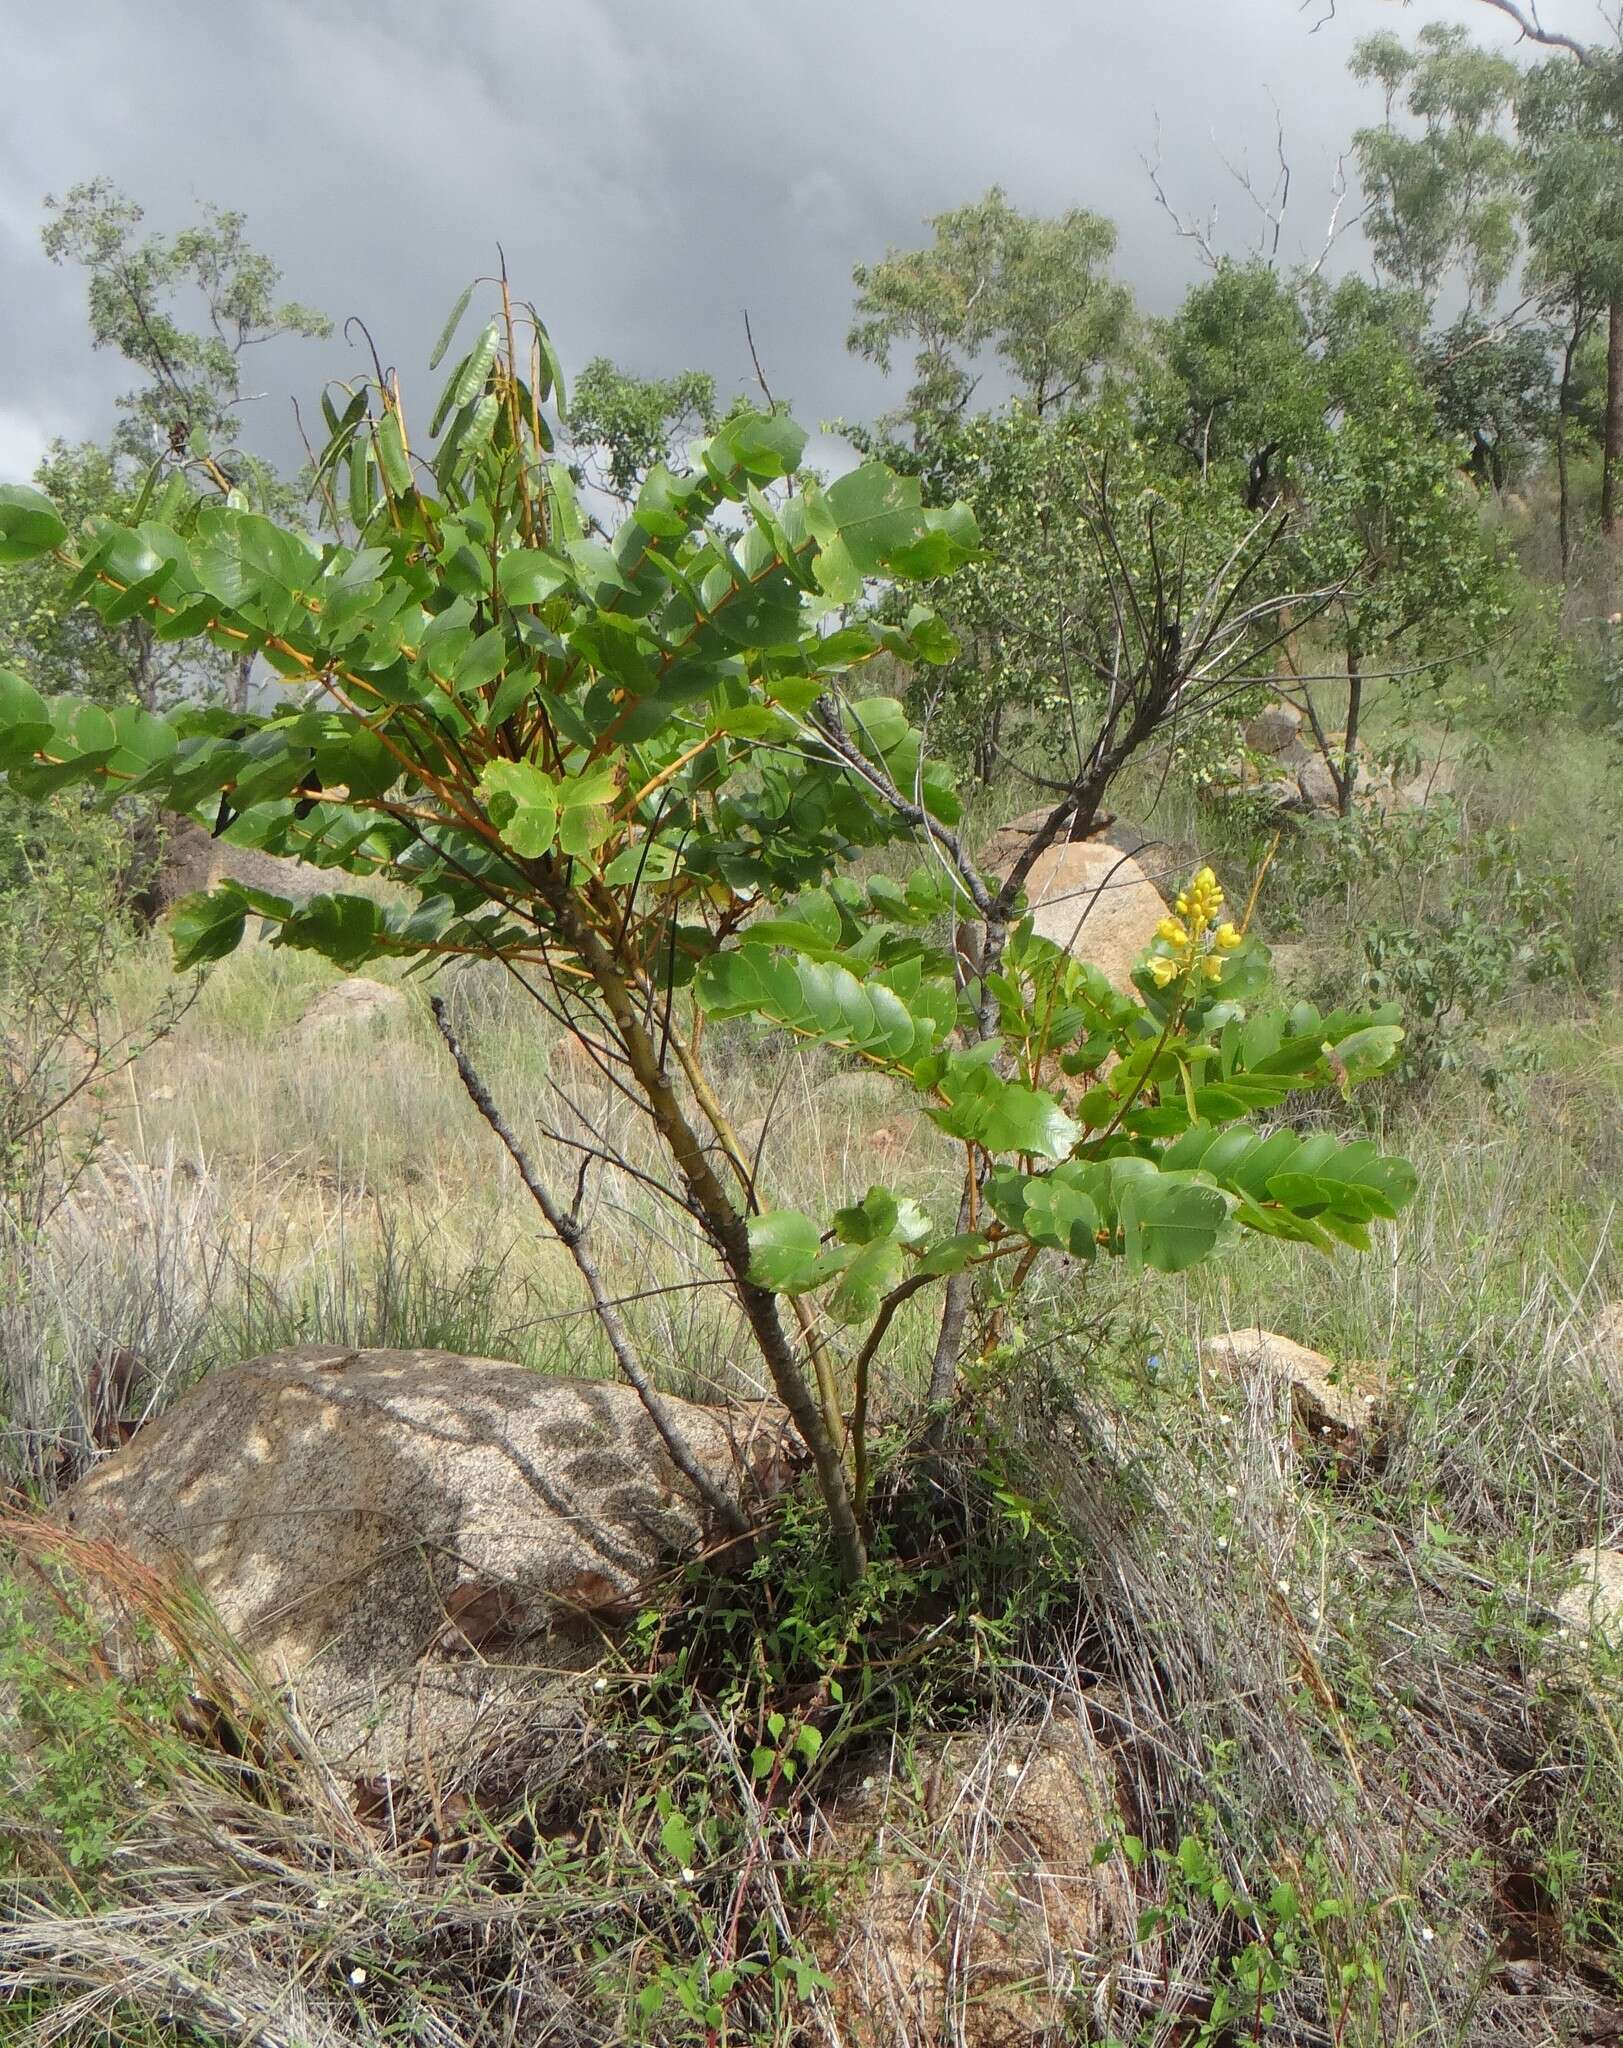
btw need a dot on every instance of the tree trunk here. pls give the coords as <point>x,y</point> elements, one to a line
<point>1563,412</point>
<point>1347,775</point>
<point>1614,419</point>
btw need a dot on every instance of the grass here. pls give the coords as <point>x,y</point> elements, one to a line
<point>1353,1687</point>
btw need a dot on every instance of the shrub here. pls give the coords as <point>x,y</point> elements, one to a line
<point>640,774</point>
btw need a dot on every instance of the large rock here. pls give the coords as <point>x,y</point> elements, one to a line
<point>1338,1412</point>
<point>1273,728</point>
<point>1007,844</point>
<point>352,1003</point>
<point>972,1899</point>
<point>1437,780</point>
<point>1317,785</point>
<point>1603,1347</point>
<point>1097,903</point>
<point>382,1530</point>
<point>1593,1604</point>
<point>173,857</point>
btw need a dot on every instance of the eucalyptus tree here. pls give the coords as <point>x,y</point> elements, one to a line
<point>640,772</point>
<point>1030,293</point>
<point>184,311</point>
<point>620,424</point>
<point>1393,532</point>
<point>1441,194</point>
<point>1570,126</point>
<point>1492,387</point>
<point>1239,388</point>
<point>1571,123</point>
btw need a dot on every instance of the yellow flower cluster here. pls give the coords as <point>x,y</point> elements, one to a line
<point>1195,940</point>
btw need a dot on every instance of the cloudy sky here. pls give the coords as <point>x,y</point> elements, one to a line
<point>651,170</point>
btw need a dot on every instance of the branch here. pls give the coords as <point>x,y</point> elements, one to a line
<point>1200,236</point>
<point>1526,20</point>
<point>572,1236</point>
<point>1534,31</point>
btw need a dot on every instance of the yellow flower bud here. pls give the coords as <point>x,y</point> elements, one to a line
<point>1173,930</point>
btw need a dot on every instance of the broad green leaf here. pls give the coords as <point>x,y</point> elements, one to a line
<point>25,720</point>
<point>676,1839</point>
<point>482,662</point>
<point>207,925</point>
<point>873,512</point>
<point>523,804</point>
<point>868,1276</point>
<point>763,445</point>
<point>1004,1116</point>
<point>29,524</point>
<point>1170,1225</point>
<point>785,1251</point>
<point>532,575</point>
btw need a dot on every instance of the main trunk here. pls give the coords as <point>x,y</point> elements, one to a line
<point>1348,773</point>
<point>1563,410</point>
<point>1614,418</point>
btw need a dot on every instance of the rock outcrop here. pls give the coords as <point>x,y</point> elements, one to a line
<point>352,1003</point>
<point>1603,1347</point>
<point>1273,728</point>
<point>1593,1604</point>
<point>972,1902</point>
<point>1338,1412</point>
<point>383,1531</point>
<point>174,857</point>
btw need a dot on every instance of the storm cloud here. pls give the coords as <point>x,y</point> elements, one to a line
<point>650,171</point>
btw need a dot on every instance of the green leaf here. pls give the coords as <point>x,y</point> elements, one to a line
<point>1170,1225</point>
<point>208,925</point>
<point>1004,1116</point>
<point>29,524</point>
<point>676,1839</point>
<point>953,1254</point>
<point>523,804</point>
<point>880,723</point>
<point>482,662</point>
<point>344,929</point>
<point>25,720</point>
<point>532,575</point>
<point>873,511</point>
<point>785,1251</point>
<point>874,1217</point>
<point>762,445</point>
<point>868,1276</point>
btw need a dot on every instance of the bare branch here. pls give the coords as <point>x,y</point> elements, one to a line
<point>1202,237</point>
<point>1533,30</point>
<point>570,1233</point>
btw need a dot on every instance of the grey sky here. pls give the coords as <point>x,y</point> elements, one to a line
<point>650,169</point>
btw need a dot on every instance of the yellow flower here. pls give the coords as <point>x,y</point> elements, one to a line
<point>1163,970</point>
<point>1227,937</point>
<point>1212,967</point>
<point>1173,930</point>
